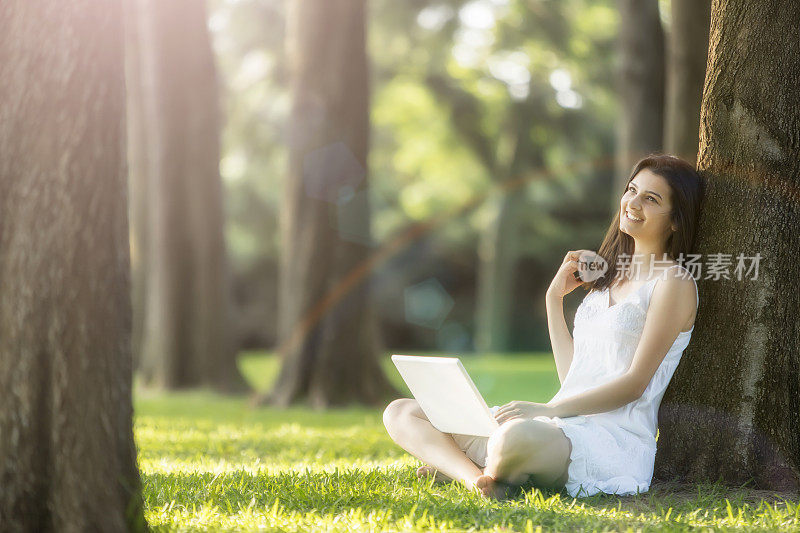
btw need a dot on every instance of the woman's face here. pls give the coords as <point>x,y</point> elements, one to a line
<point>648,199</point>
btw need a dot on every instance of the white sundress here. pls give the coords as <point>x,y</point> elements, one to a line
<point>612,452</point>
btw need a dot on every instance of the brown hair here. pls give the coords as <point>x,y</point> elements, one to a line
<point>686,195</point>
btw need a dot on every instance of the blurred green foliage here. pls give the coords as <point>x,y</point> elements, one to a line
<point>468,99</point>
<point>431,150</point>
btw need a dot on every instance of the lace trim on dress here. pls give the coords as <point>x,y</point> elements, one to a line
<point>631,317</point>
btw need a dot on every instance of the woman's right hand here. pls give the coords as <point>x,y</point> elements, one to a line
<point>564,281</point>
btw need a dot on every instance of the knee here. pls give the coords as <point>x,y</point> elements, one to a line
<point>396,411</point>
<point>514,440</point>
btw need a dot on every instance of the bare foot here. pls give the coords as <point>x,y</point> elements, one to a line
<point>491,488</point>
<point>426,471</point>
<point>487,487</point>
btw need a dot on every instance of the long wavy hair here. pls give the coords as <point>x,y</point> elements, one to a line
<point>686,196</point>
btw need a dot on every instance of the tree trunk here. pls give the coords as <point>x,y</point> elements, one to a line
<point>686,72</point>
<point>640,87</point>
<point>732,411</point>
<point>499,261</point>
<point>137,172</point>
<point>328,329</point>
<point>182,291</point>
<point>67,455</point>
<point>499,252</point>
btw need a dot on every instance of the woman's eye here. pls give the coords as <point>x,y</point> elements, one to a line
<point>630,189</point>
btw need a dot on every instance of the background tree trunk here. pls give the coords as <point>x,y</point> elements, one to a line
<point>500,252</point>
<point>686,72</point>
<point>67,455</point>
<point>640,87</point>
<point>732,410</point>
<point>329,341</point>
<point>181,276</point>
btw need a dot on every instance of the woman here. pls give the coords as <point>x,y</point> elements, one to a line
<point>598,433</point>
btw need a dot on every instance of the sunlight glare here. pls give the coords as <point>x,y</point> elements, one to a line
<point>569,99</point>
<point>477,14</point>
<point>560,80</point>
<point>435,17</point>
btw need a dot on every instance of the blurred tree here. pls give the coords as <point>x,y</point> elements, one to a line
<point>182,326</point>
<point>248,37</point>
<point>67,454</point>
<point>499,249</point>
<point>421,168</point>
<point>640,87</point>
<point>686,72</point>
<point>329,342</point>
<point>732,410</point>
<point>510,83</point>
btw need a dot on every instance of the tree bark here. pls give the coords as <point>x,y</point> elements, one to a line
<point>183,309</point>
<point>686,72</point>
<point>329,341</point>
<point>732,410</point>
<point>640,87</point>
<point>67,454</point>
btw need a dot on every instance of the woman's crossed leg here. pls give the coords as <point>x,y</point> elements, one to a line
<point>519,450</point>
<point>408,426</point>
<point>522,450</point>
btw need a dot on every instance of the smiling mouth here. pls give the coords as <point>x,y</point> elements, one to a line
<point>628,216</point>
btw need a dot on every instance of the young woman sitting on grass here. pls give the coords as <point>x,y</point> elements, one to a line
<point>598,433</point>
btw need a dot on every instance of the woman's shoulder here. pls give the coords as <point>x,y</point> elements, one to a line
<point>678,281</point>
<point>678,274</point>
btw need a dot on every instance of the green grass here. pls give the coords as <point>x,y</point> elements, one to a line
<point>211,463</point>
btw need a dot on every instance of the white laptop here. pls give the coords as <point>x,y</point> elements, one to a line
<point>446,394</point>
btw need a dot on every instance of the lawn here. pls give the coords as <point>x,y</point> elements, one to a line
<point>211,463</point>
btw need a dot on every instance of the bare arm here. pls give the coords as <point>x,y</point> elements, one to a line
<point>563,283</point>
<point>608,396</point>
<point>560,339</point>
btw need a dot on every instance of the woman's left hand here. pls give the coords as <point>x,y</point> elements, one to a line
<point>521,409</point>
